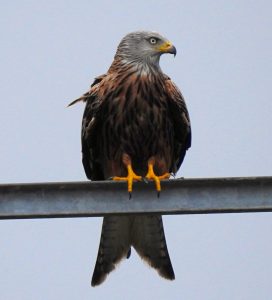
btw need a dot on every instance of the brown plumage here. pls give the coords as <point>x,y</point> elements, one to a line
<point>134,111</point>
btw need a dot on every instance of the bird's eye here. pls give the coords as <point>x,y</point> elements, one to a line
<point>153,41</point>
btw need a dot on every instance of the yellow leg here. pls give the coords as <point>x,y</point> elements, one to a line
<point>131,175</point>
<point>152,176</point>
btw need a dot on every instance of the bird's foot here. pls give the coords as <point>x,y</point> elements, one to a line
<point>131,175</point>
<point>152,176</point>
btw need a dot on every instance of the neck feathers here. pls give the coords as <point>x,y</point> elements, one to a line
<point>142,65</point>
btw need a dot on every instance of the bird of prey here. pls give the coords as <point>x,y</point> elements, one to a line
<point>135,125</point>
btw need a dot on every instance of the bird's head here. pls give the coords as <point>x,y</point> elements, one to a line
<point>145,47</point>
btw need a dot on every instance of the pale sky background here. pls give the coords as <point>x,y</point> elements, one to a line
<point>50,52</point>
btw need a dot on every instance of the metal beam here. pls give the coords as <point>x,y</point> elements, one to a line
<point>179,196</point>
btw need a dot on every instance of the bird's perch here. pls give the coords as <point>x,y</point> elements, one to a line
<point>180,196</point>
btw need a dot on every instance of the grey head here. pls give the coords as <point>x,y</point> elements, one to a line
<point>144,47</point>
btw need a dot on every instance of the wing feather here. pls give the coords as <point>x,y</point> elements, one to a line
<point>182,125</point>
<point>91,123</point>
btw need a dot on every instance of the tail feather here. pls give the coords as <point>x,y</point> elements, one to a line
<point>114,245</point>
<point>148,239</point>
<point>145,233</point>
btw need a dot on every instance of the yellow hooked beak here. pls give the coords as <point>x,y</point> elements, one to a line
<point>168,47</point>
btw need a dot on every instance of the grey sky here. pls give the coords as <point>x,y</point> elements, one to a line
<point>50,52</point>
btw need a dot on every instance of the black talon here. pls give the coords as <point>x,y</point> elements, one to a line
<point>129,253</point>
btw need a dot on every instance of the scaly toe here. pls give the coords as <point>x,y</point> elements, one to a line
<point>157,179</point>
<point>165,176</point>
<point>130,178</point>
